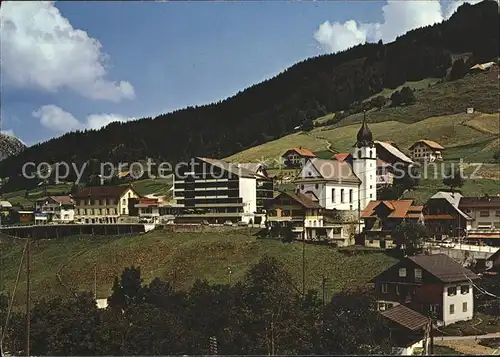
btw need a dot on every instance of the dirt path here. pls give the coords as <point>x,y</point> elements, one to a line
<point>468,347</point>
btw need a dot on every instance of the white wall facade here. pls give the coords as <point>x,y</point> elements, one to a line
<point>365,168</point>
<point>248,193</point>
<point>408,350</point>
<point>484,218</point>
<point>65,215</point>
<point>458,301</point>
<point>123,208</point>
<point>422,152</point>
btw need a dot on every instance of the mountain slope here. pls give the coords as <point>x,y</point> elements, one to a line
<point>9,146</point>
<point>273,108</point>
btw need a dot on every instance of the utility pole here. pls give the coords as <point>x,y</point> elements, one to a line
<point>95,281</point>
<point>324,291</point>
<point>28,317</point>
<point>303,265</point>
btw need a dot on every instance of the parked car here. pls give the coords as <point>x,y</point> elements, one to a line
<point>447,244</point>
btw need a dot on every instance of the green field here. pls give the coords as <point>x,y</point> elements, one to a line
<point>177,257</point>
<point>439,114</point>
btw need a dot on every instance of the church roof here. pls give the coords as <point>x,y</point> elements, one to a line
<point>364,136</point>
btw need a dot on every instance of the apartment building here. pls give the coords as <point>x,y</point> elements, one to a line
<point>485,218</point>
<point>426,150</point>
<point>215,191</point>
<point>103,204</point>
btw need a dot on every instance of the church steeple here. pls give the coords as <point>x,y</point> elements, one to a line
<point>364,136</point>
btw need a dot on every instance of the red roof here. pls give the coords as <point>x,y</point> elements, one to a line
<point>429,143</point>
<point>398,208</point>
<point>342,156</point>
<point>302,152</point>
<point>148,201</point>
<point>101,191</point>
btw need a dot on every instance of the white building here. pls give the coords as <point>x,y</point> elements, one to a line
<point>58,209</point>
<point>218,192</point>
<point>485,214</point>
<point>338,185</point>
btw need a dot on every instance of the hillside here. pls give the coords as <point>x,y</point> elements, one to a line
<point>182,257</point>
<point>473,137</point>
<point>273,108</point>
<point>9,146</point>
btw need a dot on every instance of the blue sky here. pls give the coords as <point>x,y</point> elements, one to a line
<point>168,55</point>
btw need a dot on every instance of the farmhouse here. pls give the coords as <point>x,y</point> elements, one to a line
<point>58,209</point>
<point>103,204</point>
<point>381,217</point>
<point>426,150</point>
<point>297,157</point>
<point>433,285</point>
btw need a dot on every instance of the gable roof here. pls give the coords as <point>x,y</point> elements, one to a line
<point>454,199</point>
<point>63,200</point>
<point>406,317</point>
<point>429,143</point>
<point>341,156</point>
<point>394,152</point>
<point>332,170</point>
<point>301,151</point>
<point>399,208</point>
<point>300,198</point>
<point>102,191</point>
<point>443,267</point>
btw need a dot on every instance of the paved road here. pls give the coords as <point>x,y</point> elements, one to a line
<point>475,337</point>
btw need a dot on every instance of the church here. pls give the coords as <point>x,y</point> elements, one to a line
<point>343,185</point>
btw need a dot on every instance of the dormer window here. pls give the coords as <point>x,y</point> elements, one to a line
<point>402,272</point>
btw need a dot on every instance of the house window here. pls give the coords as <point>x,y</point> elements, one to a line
<point>497,213</point>
<point>484,213</point>
<point>433,308</point>
<point>452,291</point>
<point>464,307</point>
<point>316,186</point>
<point>464,289</point>
<point>333,195</point>
<point>342,195</point>
<point>371,196</point>
<point>301,187</point>
<point>452,309</point>
<point>402,272</point>
<point>384,288</point>
<point>418,274</point>
<point>350,196</point>
<point>371,186</point>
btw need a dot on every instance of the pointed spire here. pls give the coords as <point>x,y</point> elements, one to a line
<point>364,136</point>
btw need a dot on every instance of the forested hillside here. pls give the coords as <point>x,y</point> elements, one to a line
<point>271,109</point>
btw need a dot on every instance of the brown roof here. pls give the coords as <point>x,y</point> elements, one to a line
<point>399,208</point>
<point>406,317</point>
<point>472,202</point>
<point>301,199</point>
<point>438,216</point>
<point>101,191</point>
<point>63,200</point>
<point>443,267</point>
<point>429,143</point>
<point>302,152</point>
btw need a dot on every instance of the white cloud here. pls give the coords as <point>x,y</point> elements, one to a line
<point>398,17</point>
<point>40,48</point>
<point>56,119</point>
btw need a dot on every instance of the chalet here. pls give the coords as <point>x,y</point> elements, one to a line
<point>433,285</point>
<point>57,209</point>
<point>103,204</point>
<point>297,157</point>
<point>216,191</point>
<point>381,217</point>
<point>485,218</point>
<point>155,211</point>
<point>309,220</point>
<point>443,218</point>
<point>409,330</point>
<point>426,150</point>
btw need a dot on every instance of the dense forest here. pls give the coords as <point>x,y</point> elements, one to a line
<point>273,108</point>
